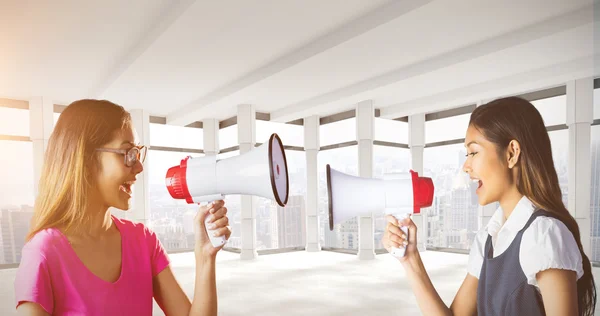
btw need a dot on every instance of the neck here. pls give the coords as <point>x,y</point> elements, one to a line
<point>97,224</point>
<point>509,201</point>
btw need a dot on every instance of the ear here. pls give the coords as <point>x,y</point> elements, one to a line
<point>513,152</point>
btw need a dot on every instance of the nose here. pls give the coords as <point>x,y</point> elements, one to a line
<point>467,166</point>
<point>138,167</point>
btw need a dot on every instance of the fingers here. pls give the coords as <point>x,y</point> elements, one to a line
<point>217,214</point>
<point>221,222</point>
<point>391,219</point>
<point>223,231</point>
<point>394,229</point>
<point>215,206</point>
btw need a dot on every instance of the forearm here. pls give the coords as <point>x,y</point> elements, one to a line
<point>205,289</point>
<point>428,298</point>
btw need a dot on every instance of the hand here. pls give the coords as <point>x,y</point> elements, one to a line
<point>217,216</point>
<point>395,237</point>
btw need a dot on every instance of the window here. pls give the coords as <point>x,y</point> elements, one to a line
<point>391,131</point>
<point>444,129</point>
<point>344,235</point>
<point>290,134</point>
<point>553,110</point>
<point>387,160</point>
<point>560,154</point>
<point>338,132</point>
<point>170,219</point>
<point>16,201</point>
<point>162,135</point>
<point>14,122</point>
<point>285,227</point>
<point>452,219</point>
<point>228,137</point>
<point>595,195</point>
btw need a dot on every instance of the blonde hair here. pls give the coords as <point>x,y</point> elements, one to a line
<point>70,162</point>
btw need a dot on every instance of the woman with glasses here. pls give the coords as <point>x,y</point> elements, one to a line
<point>81,260</point>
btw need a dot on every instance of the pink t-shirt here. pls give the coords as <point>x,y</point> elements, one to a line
<point>52,275</point>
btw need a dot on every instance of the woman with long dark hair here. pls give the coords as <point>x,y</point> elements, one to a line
<point>528,260</point>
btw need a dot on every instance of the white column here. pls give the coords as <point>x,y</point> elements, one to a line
<point>580,100</point>
<point>416,142</point>
<point>41,122</point>
<point>246,120</point>
<point>210,131</point>
<point>141,207</point>
<point>311,148</point>
<point>485,212</point>
<point>365,115</point>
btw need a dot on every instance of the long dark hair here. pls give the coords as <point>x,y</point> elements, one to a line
<point>513,118</point>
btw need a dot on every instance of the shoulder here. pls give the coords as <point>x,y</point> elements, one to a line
<point>548,244</point>
<point>44,243</point>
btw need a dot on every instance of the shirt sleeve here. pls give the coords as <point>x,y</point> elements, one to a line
<point>548,244</point>
<point>476,253</point>
<point>32,282</point>
<point>158,256</point>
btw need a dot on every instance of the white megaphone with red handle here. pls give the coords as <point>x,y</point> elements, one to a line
<point>260,172</point>
<point>400,195</point>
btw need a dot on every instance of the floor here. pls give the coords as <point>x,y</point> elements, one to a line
<point>301,283</point>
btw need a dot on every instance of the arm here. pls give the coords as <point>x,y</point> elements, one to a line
<point>559,291</point>
<point>173,301</point>
<point>429,301</point>
<point>31,309</point>
<point>167,291</point>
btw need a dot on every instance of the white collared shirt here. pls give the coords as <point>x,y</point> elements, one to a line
<point>546,244</point>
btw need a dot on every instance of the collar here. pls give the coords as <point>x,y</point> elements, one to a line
<point>515,222</point>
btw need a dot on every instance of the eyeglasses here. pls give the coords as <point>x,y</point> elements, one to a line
<point>132,155</point>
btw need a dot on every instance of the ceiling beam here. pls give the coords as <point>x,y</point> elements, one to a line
<point>159,25</point>
<point>534,80</point>
<point>518,37</point>
<point>346,32</point>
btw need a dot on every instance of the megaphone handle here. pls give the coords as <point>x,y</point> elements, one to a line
<point>399,252</point>
<point>216,241</point>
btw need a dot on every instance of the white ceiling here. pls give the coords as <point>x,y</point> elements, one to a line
<point>190,60</point>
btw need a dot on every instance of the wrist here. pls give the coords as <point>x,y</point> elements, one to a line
<point>202,255</point>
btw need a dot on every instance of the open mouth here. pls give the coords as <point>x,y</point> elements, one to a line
<point>126,187</point>
<point>479,182</point>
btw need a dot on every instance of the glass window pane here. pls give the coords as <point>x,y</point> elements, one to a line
<point>16,201</point>
<point>387,160</point>
<point>447,128</point>
<point>553,110</point>
<point>290,134</point>
<point>452,219</point>
<point>171,219</point>
<point>163,135</point>
<point>391,131</point>
<point>559,141</point>
<point>595,195</point>
<point>14,122</point>
<point>345,235</point>
<point>285,227</point>
<point>338,132</point>
<point>228,137</point>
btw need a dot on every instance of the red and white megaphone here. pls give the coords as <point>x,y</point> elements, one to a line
<point>400,195</point>
<point>260,172</point>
